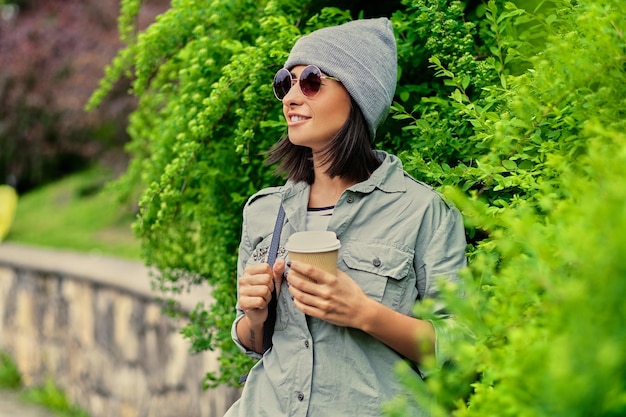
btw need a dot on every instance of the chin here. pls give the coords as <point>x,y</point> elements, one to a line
<point>298,139</point>
<point>307,141</point>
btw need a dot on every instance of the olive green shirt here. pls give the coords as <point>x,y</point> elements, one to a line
<point>398,236</point>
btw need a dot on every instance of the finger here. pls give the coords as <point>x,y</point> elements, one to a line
<point>307,309</point>
<point>256,279</point>
<point>311,272</point>
<point>306,292</point>
<point>279,270</point>
<point>249,304</point>
<point>301,282</point>
<point>262,268</point>
<point>254,291</point>
<point>309,304</point>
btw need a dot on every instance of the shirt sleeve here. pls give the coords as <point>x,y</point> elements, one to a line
<point>443,258</point>
<point>245,251</point>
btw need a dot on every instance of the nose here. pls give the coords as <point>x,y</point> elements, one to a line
<point>294,95</point>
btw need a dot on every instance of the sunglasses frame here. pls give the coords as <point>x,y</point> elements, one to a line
<point>297,81</point>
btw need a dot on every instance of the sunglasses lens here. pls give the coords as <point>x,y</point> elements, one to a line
<point>310,81</point>
<point>282,83</point>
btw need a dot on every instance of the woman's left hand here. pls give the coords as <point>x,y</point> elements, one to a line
<point>337,299</point>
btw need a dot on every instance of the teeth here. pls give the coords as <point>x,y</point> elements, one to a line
<point>297,118</point>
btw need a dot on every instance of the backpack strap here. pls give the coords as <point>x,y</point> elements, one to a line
<point>268,327</point>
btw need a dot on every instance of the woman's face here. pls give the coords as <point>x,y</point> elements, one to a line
<point>314,121</point>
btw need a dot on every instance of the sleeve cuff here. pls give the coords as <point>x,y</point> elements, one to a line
<point>446,331</point>
<point>235,337</point>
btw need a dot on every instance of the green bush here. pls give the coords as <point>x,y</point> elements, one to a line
<point>206,114</point>
<point>545,180</point>
<point>10,377</point>
<point>514,110</point>
<point>52,398</point>
<point>47,395</point>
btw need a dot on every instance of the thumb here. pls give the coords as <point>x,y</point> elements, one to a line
<point>279,269</point>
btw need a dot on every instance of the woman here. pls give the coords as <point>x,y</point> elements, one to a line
<point>338,336</point>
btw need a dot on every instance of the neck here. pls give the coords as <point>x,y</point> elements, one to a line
<point>325,191</point>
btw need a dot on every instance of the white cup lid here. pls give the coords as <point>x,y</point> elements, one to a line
<point>313,241</point>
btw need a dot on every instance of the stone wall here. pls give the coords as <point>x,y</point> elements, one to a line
<point>92,325</point>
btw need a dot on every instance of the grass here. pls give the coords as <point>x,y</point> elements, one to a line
<point>48,396</point>
<point>10,377</point>
<point>76,213</point>
<point>51,397</point>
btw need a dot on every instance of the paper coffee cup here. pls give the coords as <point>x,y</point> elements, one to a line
<point>315,247</point>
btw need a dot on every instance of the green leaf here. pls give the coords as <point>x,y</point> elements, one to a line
<point>509,164</point>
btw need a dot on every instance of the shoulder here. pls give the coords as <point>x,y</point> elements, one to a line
<point>438,211</point>
<point>418,186</point>
<point>427,203</point>
<point>424,191</point>
<point>263,201</point>
<point>391,177</point>
<point>411,190</point>
<point>263,194</point>
<point>259,214</point>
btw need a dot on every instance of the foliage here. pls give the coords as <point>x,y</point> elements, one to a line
<point>514,110</point>
<point>47,395</point>
<point>52,398</point>
<point>543,165</point>
<point>86,217</point>
<point>52,54</point>
<point>186,157</point>
<point>206,114</point>
<point>10,377</point>
<point>17,3</point>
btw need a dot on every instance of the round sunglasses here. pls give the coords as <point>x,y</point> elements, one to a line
<point>310,81</point>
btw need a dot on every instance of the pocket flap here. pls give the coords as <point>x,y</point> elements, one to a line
<point>378,258</point>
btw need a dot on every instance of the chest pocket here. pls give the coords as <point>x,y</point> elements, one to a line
<point>381,270</point>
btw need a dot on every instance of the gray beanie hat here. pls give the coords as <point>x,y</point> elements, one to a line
<point>362,55</point>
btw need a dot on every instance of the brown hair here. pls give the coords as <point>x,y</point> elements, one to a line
<point>349,153</point>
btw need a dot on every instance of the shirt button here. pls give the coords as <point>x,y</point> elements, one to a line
<point>306,343</point>
<point>376,262</point>
<point>300,396</point>
<point>350,199</point>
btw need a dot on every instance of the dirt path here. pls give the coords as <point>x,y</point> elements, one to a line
<point>12,406</point>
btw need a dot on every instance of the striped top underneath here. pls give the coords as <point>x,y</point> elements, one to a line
<point>317,218</point>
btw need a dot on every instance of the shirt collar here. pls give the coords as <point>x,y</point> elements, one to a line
<point>388,177</point>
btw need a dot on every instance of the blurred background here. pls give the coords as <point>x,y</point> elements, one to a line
<point>56,162</point>
<point>52,55</point>
<point>522,108</point>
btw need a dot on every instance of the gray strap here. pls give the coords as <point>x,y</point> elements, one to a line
<point>278,227</point>
<point>268,327</point>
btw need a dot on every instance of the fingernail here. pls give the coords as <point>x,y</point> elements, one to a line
<point>289,264</point>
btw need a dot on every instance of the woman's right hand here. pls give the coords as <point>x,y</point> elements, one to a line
<point>255,289</point>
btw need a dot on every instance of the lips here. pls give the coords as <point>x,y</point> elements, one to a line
<point>296,119</point>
